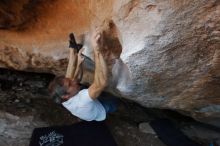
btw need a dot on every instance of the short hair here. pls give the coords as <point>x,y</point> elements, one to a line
<point>56,89</point>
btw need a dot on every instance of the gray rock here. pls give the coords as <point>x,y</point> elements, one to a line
<point>3,125</point>
<point>16,131</point>
<point>202,133</point>
<point>146,128</point>
<point>17,100</point>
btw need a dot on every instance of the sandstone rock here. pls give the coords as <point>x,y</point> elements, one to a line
<point>169,55</point>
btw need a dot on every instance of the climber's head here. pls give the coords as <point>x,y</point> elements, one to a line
<point>62,89</point>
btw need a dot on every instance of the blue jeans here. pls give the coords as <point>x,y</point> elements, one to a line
<point>110,104</point>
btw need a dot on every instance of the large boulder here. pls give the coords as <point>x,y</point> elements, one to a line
<point>168,53</point>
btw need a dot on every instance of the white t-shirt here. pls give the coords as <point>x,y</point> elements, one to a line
<point>84,107</point>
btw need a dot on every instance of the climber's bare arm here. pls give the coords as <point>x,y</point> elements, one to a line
<point>78,71</point>
<point>100,76</point>
<point>71,64</point>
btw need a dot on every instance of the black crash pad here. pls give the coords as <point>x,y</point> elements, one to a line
<point>80,134</point>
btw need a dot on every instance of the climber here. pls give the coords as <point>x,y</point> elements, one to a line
<point>84,103</point>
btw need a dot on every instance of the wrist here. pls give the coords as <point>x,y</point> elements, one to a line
<point>97,48</point>
<point>97,52</point>
<point>78,64</point>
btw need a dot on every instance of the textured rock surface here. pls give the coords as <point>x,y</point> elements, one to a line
<point>170,49</point>
<point>16,131</point>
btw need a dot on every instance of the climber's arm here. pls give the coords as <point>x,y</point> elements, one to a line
<point>78,71</point>
<point>100,76</point>
<point>71,64</point>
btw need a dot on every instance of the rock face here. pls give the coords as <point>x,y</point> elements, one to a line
<point>167,52</point>
<point>16,131</point>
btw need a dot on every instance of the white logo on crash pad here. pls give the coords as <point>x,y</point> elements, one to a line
<point>51,139</point>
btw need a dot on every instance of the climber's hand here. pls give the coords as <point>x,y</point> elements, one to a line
<point>95,39</point>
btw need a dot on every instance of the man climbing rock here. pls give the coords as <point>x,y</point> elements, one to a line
<point>83,103</point>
